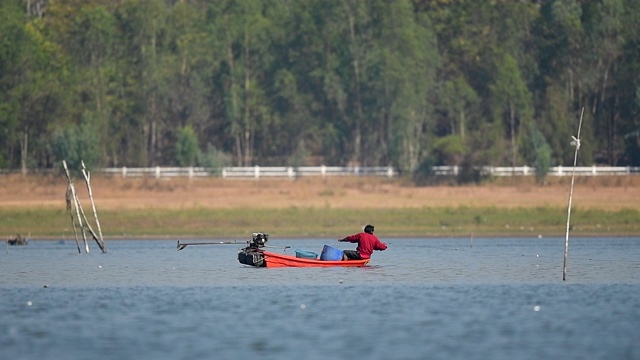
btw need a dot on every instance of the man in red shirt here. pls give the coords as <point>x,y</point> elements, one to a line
<point>367,242</point>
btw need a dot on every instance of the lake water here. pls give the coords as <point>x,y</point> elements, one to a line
<point>421,299</point>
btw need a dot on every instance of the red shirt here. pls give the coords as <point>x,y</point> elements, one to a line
<point>366,244</point>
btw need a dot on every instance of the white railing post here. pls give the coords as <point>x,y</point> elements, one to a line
<point>190,172</point>
<point>157,172</point>
<point>389,171</point>
<point>593,170</point>
<point>224,173</point>
<point>290,172</point>
<point>124,172</point>
<point>323,170</point>
<point>256,172</point>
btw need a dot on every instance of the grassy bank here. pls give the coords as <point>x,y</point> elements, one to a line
<point>317,222</point>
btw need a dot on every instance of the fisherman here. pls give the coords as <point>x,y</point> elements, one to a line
<point>367,242</point>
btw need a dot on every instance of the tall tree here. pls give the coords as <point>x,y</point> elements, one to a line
<point>91,37</point>
<point>13,37</point>
<point>245,31</point>
<point>29,65</point>
<point>511,100</point>
<point>191,62</point>
<point>401,85</point>
<point>604,24</point>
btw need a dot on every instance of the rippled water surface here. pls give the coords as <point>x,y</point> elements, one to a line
<point>420,299</point>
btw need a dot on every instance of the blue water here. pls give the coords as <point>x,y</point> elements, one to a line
<point>420,299</point>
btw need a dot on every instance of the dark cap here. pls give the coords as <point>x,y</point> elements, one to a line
<point>368,229</point>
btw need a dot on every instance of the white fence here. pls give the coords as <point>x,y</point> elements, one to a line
<point>554,171</point>
<point>253,171</point>
<point>257,172</point>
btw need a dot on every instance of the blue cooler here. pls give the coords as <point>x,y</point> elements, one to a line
<point>303,254</point>
<point>331,253</point>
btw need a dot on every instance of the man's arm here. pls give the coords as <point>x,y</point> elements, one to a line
<point>350,238</point>
<point>379,245</point>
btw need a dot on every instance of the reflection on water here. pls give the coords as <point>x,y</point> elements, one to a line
<point>422,298</point>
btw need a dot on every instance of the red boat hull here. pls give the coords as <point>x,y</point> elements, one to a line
<point>274,260</point>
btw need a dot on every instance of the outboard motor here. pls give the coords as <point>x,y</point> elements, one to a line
<point>258,240</point>
<point>251,255</point>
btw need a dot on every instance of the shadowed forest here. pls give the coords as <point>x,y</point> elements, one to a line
<point>410,84</point>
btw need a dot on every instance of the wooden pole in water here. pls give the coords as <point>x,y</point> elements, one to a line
<point>93,233</point>
<point>76,203</point>
<point>68,198</point>
<point>576,143</point>
<point>99,240</point>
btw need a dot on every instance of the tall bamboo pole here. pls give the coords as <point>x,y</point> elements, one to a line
<point>576,143</point>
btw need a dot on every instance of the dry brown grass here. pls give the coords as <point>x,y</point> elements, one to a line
<point>607,193</point>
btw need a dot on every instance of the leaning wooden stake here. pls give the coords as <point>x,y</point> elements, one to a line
<point>68,197</point>
<point>76,203</point>
<point>88,225</point>
<point>87,178</point>
<point>576,143</point>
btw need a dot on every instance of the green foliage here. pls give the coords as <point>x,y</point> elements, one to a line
<point>214,159</point>
<point>187,148</point>
<point>299,157</point>
<point>536,151</point>
<point>76,144</point>
<point>13,34</point>
<point>449,150</point>
<point>511,100</point>
<point>458,104</point>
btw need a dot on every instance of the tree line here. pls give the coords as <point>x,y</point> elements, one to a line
<point>407,83</point>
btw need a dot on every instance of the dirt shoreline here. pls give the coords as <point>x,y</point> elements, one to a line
<point>32,192</point>
<point>213,208</point>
